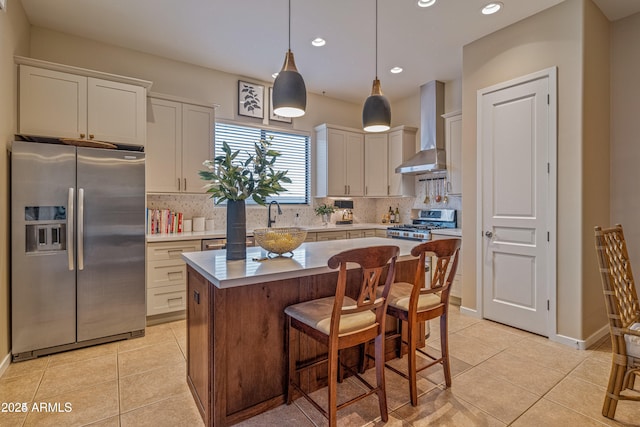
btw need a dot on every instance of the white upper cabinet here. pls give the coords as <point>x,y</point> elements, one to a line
<point>67,102</point>
<point>179,139</point>
<point>453,145</point>
<point>376,168</point>
<point>116,112</point>
<point>402,145</point>
<point>339,161</point>
<point>352,163</point>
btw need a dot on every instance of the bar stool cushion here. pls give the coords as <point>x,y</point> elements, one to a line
<point>633,342</point>
<point>317,314</point>
<point>400,294</point>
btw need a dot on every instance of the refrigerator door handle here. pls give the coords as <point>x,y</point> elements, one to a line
<point>70,218</point>
<point>81,229</point>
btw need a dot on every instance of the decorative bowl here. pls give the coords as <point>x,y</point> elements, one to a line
<point>279,240</point>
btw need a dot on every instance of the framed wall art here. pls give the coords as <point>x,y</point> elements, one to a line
<point>272,115</point>
<point>250,99</point>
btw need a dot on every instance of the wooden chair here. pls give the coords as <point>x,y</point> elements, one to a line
<point>623,309</point>
<point>412,304</point>
<point>340,322</point>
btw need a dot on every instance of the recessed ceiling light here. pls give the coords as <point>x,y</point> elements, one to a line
<point>426,3</point>
<point>274,75</point>
<point>491,8</point>
<point>318,41</point>
<point>396,70</point>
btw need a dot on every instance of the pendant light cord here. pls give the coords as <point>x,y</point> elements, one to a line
<point>376,39</point>
<point>290,24</point>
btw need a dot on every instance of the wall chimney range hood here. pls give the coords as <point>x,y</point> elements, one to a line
<point>431,157</point>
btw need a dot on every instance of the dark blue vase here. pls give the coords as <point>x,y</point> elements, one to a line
<point>236,230</point>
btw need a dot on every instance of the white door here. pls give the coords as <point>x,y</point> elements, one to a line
<point>515,140</point>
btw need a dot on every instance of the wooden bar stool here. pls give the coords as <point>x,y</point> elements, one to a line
<point>412,303</point>
<point>340,322</point>
<point>623,310</point>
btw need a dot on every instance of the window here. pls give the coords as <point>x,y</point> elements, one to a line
<point>293,149</point>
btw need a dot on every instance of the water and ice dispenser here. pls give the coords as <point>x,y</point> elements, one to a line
<point>46,228</point>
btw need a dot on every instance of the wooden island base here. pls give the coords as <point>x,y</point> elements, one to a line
<point>236,361</point>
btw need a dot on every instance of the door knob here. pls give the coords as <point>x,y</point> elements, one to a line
<point>489,234</point>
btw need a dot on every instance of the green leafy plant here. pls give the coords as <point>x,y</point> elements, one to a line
<point>324,209</point>
<point>231,178</point>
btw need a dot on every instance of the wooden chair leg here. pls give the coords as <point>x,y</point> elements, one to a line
<point>444,347</point>
<point>291,362</point>
<point>332,405</point>
<point>411,357</point>
<point>382,395</point>
<point>399,347</point>
<point>362,362</point>
<point>613,390</point>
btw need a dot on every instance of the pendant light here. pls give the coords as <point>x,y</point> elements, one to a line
<point>376,114</point>
<point>289,91</point>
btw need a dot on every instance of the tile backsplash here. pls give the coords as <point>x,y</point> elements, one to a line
<point>365,210</point>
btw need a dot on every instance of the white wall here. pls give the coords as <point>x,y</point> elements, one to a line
<point>212,86</point>
<point>14,40</point>
<point>553,37</point>
<point>625,131</point>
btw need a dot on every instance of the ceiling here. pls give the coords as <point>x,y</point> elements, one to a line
<point>249,38</point>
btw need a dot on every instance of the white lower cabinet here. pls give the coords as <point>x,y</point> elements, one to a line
<point>323,236</point>
<point>167,276</point>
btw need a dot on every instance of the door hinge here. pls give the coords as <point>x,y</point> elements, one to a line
<point>548,305</point>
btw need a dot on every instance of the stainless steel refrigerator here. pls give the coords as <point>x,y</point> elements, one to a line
<point>77,247</point>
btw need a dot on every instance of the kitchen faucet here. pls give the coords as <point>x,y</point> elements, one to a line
<point>269,220</point>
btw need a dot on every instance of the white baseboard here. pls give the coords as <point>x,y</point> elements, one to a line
<point>581,344</point>
<point>4,365</point>
<point>470,312</point>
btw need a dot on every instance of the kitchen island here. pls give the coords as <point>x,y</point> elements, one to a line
<point>236,360</point>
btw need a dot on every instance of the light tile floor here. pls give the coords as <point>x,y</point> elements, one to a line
<point>501,376</point>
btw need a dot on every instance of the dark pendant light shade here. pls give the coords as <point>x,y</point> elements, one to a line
<point>376,114</point>
<point>289,90</point>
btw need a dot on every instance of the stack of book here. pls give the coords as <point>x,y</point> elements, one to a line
<point>163,221</point>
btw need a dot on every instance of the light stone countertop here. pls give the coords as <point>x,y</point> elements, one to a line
<point>218,233</point>
<point>308,259</point>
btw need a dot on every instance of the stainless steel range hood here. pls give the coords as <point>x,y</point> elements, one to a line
<point>431,157</point>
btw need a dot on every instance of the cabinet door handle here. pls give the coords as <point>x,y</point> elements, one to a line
<point>348,189</point>
<point>448,186</point>
<point>91,136</point>
<point>388,190</point>
<point>185,184</point>
<point>179,184</point>
<point>366,190</point>
<point>82,135</point>
<point>196,297</point>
